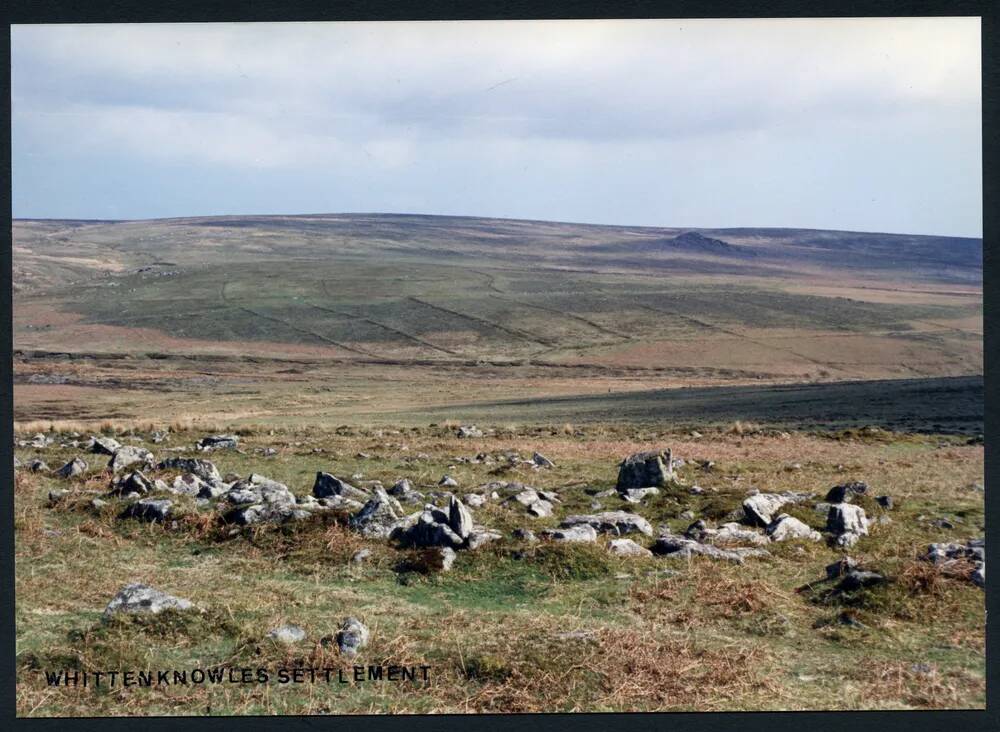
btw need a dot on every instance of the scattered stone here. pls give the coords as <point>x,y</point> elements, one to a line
<point>580,533</point>
<point>978,575</point>
<point>974,549</point>
<point>97,504</point>
<point>400,488</point>
<point>525,535</point>
<point>479,537</point>
<point>615,522</point>
<point>541,461</point>
<point>256,513</point>
<point>38,466</point>
<point>679,547</point>
<point>133,484</point>
<point>148,509</point>
<point>426,528</point>
<point>759,509</point>
<point>56,495</point>
<point>843,493</point>
<point>288,634</point>
<point>204,469</point>
<point>786,527</point>
<point>103,445</point>
<point>352,637</point>
<point>840,567</point>
<point>448,482</point>
<point>140,598</point>
<point>628,548</point>
<point>856,579</point>
<point>728,534</point>
<point>327,485</point>
<point>475,500</point>
<point>361,555</point>
<point>645,469</point>
<point>443,558</point>
<point>76,466</point>
<point>190,484</point>
<point>847,523</point>
<point>885,502</point>
<point>378,517</point>
<point>158,437</point>
<point>540,509</point>
<point>469,431</point>
<point>129,455</point>
<point>459,518</point>
<point>218,442</point>
<point>635,495</point>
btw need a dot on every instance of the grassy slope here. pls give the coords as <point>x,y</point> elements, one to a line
<point>656,634</point>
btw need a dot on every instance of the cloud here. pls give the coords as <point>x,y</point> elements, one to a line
<point>384,98</point>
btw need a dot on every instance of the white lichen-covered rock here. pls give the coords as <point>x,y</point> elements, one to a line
<point>127,455</point>
<point>540,509</point>
<point>628,548</point>
<point>645,469</point>
<point>615,522</point>
<point>218,442</point>
<point>378,517</point>
<point>204,469</point>
<point>728,534</point>
<point>680,547</point>
<point>140,598</point>
<point>459,518</point>
<point>785,527</point>
<point>103,445</point>
<point>760,508</point>
<point>72,469</point>
<point>132,484</point>
<point>327,485</point>
<point>481,536</point>
<point>148,509</point>
<point>429,527</point>
<point>288,634</point>
<point>444,558</point>
<point>352,637</point>
<point>579,533</point>
<point>847,523</point>
<point>541,461</point>
<point>637,495</point>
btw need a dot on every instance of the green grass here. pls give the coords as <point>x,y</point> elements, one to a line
<point>698,635</point>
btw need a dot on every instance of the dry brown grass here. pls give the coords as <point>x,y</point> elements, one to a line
<point>741,428</point>
<point>907,684</point>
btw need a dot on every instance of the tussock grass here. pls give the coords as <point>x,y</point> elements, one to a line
<point>644,634</point>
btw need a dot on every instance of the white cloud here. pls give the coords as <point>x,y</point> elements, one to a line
<point>380,98</point>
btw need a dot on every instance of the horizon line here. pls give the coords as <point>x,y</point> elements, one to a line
<point>470,216</point>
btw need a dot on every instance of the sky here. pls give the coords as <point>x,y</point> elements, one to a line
<point>854,124</point>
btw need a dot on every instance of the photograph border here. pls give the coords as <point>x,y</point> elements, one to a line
<point>132,11</point>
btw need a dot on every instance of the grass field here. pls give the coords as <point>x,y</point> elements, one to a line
<point>784,360</point>
<point>645,634</point>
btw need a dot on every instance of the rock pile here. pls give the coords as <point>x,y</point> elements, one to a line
<point>950,554</point>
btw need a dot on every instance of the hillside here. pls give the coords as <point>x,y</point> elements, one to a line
<point>504,309</point>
